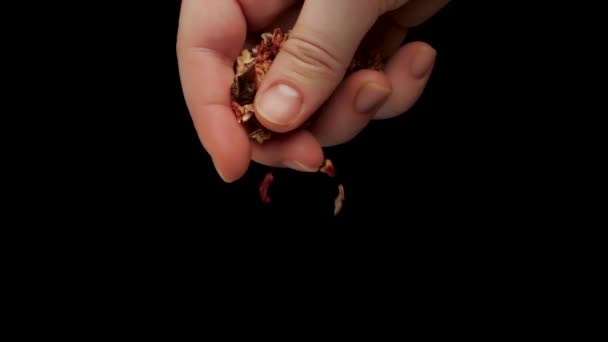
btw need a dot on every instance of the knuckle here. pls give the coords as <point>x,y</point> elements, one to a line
<point>311,59</point>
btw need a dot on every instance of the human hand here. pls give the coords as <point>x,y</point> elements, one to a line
<point>310,68</point>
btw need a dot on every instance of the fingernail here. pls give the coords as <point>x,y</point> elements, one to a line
<point>296,165</point>
<point>423,62</point>
<point>280,104</point>
<point>371,96</point>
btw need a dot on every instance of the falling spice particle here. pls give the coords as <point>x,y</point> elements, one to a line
<point>328,168</point>
<point>264,187</point>
<point>339,200</point>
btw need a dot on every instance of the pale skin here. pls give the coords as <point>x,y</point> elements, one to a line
<point>307,77</point>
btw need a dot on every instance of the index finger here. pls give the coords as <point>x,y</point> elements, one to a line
<point>210,36</point>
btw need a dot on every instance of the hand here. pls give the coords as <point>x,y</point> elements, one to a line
<point>306,76</point>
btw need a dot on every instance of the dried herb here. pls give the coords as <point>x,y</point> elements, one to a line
<point>264,187</point>
<point>339,199</point>
<point>251,67</point>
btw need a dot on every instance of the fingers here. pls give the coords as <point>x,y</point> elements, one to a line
<point>351,107</point>
<point>369,94</point>
<point>361,96</point>
<point>298,150</point>
<point>408,71</point>
<point>312,62</point>
<point>207,45</point>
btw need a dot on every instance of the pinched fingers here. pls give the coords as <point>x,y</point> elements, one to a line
<point>298,150</point>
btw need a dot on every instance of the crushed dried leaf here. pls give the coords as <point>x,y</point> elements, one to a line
<point>250,68</point>
<point>253,64</point>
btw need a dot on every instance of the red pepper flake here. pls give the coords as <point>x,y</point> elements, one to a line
<point>328,168</point>
<point>338,201</point>
<point>264,187</point>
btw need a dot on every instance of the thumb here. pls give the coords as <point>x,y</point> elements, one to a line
<point>313,60</point>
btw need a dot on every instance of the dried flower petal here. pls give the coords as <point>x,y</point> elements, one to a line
<point>339,199</point>
<point>328,168</point>
<point>260,71</point>
<point>244,61</point>
<point>248,113</point>
<point>264,187</point>
<point>244,86</point>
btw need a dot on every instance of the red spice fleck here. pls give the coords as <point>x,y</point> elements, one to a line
<point>328,168</point>
<point>264,187</point>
